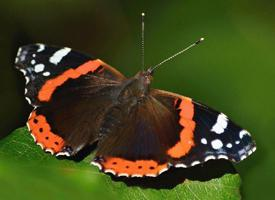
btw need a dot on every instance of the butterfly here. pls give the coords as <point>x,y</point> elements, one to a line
<point>79,101</point>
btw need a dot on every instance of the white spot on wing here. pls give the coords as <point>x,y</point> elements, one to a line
<point>180,165</point>
<point>28,126</point>
<point>136,175</point>
<point>34,139</point>
<point>243,133</point>
<point>237,142</point>
<point>209,158</point>
<point>123,174</point>
<point>249,152</point>
<point>46,74</point>
<point>23,71</point>
<point>203,141</point>
<point>28,100</point>
<point>41,145</point>
<point>217,144</point>
<point>50,151</point>
<point>63,153</point>
<point>109,171</point>
<point>229,145</point>
<point>222,157</point>
<point>243,157</point>
<point>41,47</point>
<point>163,170</point>
<point>97,165</point>
<point>58,55</point>
<point>220,124</point>
<point>151,175</point>
<point>27,79</point>
<point>19,52</point>
<point>254,149</point>
<point>39,68</point>
<point>195,163</point>
<point>32,62</point>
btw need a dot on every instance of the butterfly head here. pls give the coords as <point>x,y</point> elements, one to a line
<point>141,83</point>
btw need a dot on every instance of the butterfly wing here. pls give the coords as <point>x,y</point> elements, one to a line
<point>70,91</point>
<point>48,67</point>
<point>168,130</point>
<point>212,134</point>
<point>137,139</point>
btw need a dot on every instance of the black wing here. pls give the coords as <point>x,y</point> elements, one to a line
<point>72,119</point>
<point>70,92</point>
<point>165,130</point>
<point>213,135</point>
<point>137,138</point>
<point>48,67</point>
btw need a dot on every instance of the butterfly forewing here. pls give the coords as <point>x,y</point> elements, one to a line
<point>48,67</point>
<point>213,134</point>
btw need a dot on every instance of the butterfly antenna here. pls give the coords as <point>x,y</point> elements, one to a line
<point>151,69</point>
<point>142,39</point>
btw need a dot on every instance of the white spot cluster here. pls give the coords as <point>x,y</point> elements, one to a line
<point>132,175</point>
<point>58,55</point>
<point>220,124</point>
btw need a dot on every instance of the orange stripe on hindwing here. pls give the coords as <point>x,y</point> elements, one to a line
<point>45,93</point>
<point>186,142</point>
<point>120,166</point>
<point>41,131</point>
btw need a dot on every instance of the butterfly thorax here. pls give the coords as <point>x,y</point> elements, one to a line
<point>135,88</point>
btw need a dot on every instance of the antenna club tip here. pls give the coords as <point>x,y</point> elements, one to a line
<point>142,14</point>
<point>199,41</point>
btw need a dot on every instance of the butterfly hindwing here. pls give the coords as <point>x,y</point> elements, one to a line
<point>137,140</point>
<point>47,67</point>
<point>72,119</point>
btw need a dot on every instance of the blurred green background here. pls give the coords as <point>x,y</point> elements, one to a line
<point>232,71</point>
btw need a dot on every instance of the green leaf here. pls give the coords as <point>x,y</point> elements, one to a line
<point>26,172</point>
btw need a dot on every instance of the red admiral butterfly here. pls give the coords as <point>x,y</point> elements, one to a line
<point>140,131</point>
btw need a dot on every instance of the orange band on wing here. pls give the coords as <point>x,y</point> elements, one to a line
<point>138,167</point>
<point>50,86</point>
<point>41,131</point>
<point>187,133</point>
